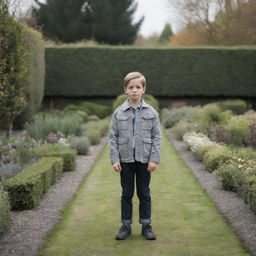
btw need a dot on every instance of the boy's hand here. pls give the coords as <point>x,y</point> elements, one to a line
<point>152,166</point>
<point>117,167</point>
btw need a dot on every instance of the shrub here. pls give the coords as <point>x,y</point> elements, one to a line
<point>55,150</point>
<point>238,173</point>
<point>220,133</point>
<point>211,115</point>
<point>238,107</point>
<point>251,137</point>
<point>28,186</point>
<point>13,70</point>
<point>195,141</point>
<point>96,109</point>
<point>94,130</point>
<point>35,62</point>
<point>215,156</point>
<point>239,130</point>
<point>81,144</point>
<point>44,123</point>
<point>173,116</point>
<point>181,128</point>
<point>148,99</point>
<point>5,216</point>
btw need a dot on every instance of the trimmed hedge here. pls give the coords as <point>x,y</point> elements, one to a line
<point>27,187</point>
<point>35,62</point>
<point>53,150</point>
<point>5,217</point>
<point>99,71</point>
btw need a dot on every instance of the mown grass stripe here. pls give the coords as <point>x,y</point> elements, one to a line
<point>184,218</point>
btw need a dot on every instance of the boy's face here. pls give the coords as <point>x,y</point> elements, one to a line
<point>134,89</point>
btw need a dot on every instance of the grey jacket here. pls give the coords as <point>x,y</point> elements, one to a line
<point>146,135</point>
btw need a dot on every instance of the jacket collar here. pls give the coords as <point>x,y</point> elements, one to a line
<point>126,106</point>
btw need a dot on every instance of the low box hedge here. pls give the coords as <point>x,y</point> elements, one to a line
<point>54,150</point>
<point>27,187</point>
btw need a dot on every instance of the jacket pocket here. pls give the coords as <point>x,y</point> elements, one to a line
<point>147,122</point>
<point>123,122</point>
<point>123,147</point>
<point>147,143</point>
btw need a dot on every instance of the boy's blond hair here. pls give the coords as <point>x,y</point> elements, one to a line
<point>134,75</point>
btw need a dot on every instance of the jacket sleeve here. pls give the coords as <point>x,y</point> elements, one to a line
<point>113,140</point>
<point>156,140</point>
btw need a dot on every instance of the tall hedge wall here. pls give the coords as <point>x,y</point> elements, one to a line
<point>35,62</point>
<point>99,71</point>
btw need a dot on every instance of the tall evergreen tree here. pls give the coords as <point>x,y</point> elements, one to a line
<point>67,21</point>
<point>166,34</point>
<point>112,21</point>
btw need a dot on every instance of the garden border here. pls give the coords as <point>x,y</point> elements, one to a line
<point>30,227</point>
<point>237,213</point>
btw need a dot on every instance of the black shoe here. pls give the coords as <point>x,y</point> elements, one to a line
<point>147,232</point>
<point>123,232</point>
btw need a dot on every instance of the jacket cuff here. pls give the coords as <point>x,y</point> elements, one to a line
<point>154,159</point>
<point>115,160</point>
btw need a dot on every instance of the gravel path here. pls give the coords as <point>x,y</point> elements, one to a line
<point>238,214</point>
<point>29,227</point>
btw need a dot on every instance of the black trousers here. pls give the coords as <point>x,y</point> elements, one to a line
<point>129,173</point>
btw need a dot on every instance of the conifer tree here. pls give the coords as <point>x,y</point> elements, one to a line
<point>66,21</point>
<point>166,34</point>
<point>112,21</point>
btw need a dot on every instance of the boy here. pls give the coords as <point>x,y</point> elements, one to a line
<point>135,142</point>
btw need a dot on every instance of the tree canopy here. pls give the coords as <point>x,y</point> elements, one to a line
<point>106,21</point>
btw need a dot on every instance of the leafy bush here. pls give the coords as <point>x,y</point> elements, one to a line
<point>81,144</point>
<point>194,140</point>
<point>220,133</point>
<point>146,97</point>
<point>216,156</point>
<point>44,123</point>
<point>5,216</point>
<point>181,128</point>
<point>238,173</point>
<point>238,107</point>
<point>211,115</point>
<point>56,150</point>
<point>238,130</point>
<point>17,150</point>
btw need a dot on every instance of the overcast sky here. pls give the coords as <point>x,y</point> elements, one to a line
<point>156,13</point>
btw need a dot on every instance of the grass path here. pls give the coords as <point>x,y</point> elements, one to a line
<point>184,218</point>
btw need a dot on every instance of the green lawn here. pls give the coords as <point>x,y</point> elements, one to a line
<point>184,218</point>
